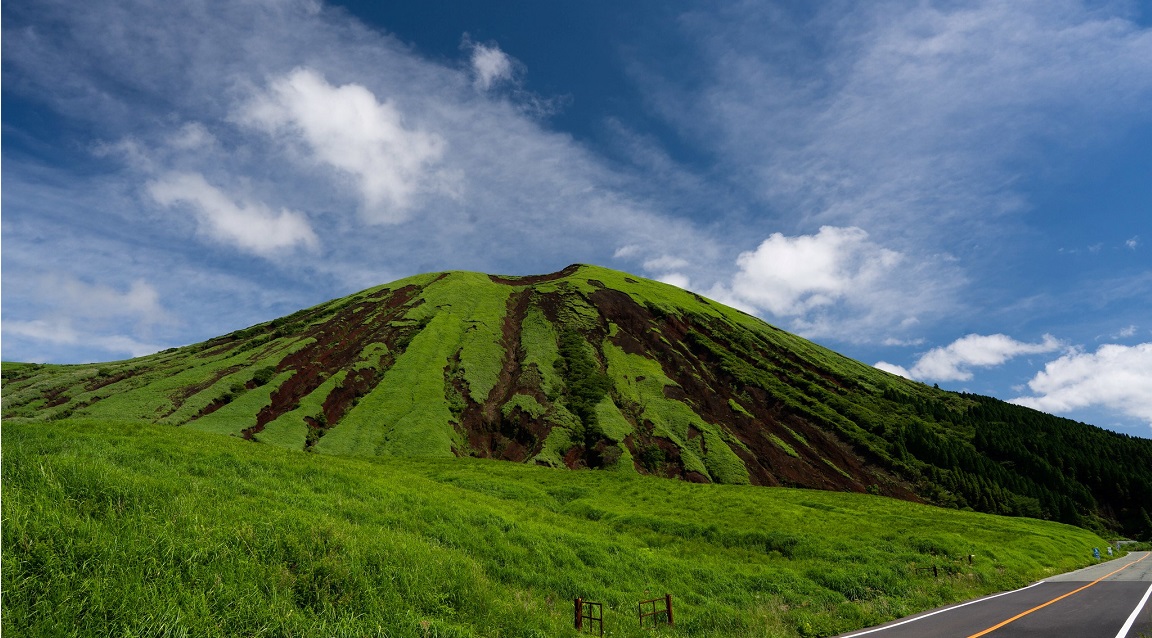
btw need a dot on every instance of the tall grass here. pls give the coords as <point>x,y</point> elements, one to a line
<point>116,528</point>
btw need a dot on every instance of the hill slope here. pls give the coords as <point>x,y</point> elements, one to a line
<point>130,529</point>
<point>590,367</point>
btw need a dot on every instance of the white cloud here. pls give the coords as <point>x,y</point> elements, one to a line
<point>1132,243</point>
<point>663,263</point>
<point>791,276</point>
<point>902,342</point>
<point>1127,331</point>
<point>628,252</point>
<point>72,298</point>
<point>61,331</point>
<point>893,368</point>
<point>77,313</point>
<point>913,120</point>
<point>680,280</point>
<point>97,301</point>
<point>491,66</point>
<point>839,283</point>
<point>347,128</point>
<point>191,136</point>
<point>310,111</point>
<point>67,297</point>
<point>251,226</point>
<point>953,361</point>
<point>1115,377</point>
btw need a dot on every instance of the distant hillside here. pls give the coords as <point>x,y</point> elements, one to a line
<point>593,368</point>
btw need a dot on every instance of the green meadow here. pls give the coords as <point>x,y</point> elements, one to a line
<point>132,529</point>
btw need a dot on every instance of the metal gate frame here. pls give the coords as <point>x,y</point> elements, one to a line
<point>592,612</point>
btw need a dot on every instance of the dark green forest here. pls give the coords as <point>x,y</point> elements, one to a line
<point>1001,458</point>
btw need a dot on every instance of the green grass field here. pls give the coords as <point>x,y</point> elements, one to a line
<point>130,529</point>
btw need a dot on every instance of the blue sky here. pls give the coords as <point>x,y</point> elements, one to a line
<point>960,192</point>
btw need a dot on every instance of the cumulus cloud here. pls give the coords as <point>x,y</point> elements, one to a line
<point>348,129</point>
<point>790,276</point>
<point>680,280</point>
<point>491,66</point>
<point>1115,377</point>
<point>1132,243</point>
<point>954,361</point>
<point>251,226</point>
<point>839,283</point>
<point>893,368</point>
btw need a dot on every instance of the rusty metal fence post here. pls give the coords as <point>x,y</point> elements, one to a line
<point>592,612</point>
<point>655,612</point>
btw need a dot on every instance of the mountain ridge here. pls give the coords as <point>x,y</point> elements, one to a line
<point>593,368</point>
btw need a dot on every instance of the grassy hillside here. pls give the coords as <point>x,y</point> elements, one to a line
<point>594,368</point>
<point>126,528</point>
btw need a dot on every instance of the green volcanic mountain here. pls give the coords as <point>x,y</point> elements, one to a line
<point>593,368</point>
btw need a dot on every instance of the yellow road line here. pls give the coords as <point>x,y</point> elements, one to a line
<point>1057,599</point>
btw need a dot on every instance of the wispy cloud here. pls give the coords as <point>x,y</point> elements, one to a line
<point>911,121</point>
<point>298,132</point>
<point>490,65</point>
<point>72,312</point>
<point>954,362</point>
<point>251,226</point>
<point>58,331</point>
<point>1125,332</point>
<point>1114,377</point>
<point>914,114</point>
<point>81,300</point>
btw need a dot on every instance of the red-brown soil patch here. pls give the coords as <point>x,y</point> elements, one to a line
<point>56,397</point>
<point>530,280</point>
<point>707,387</point>
<point>178,398</point>
<point>516,436</point>
<point>97,382</point>
<point>339,344</point>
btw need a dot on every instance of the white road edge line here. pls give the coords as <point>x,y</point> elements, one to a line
<point>940,611</point>
<point>1135,613</point>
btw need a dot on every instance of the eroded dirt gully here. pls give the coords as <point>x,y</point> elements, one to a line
<point>517,436</point>
<point>340,343</point>
<point>707,386</point>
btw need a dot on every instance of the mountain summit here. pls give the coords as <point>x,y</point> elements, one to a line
<point>594,368</point>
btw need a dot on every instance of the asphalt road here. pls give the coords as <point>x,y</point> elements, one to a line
<point>1109,600</point>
